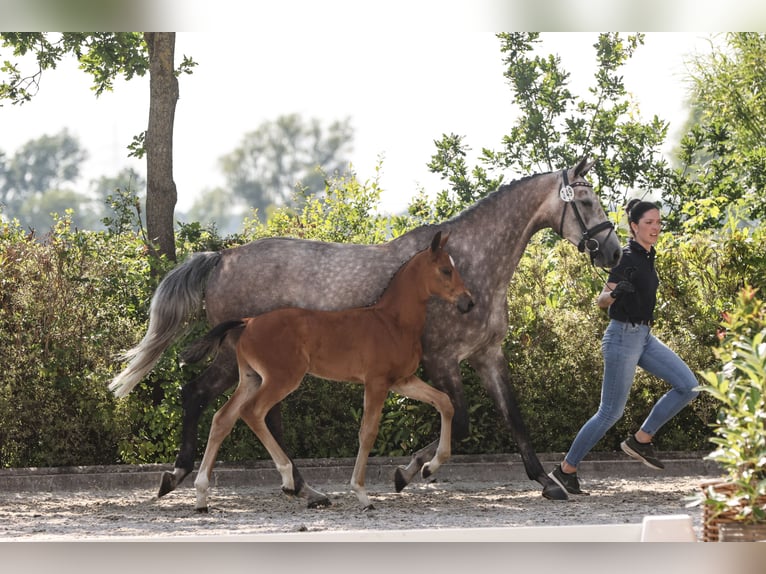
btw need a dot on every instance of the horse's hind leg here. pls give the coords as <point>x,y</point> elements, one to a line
<point>415,388</point>
<point>302,489</point>
<point>196,395</point>
<point>493,369</point>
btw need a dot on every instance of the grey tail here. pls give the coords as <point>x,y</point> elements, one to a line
<point>178,295</point>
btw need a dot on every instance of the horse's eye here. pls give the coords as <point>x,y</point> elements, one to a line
<point>447,271</point>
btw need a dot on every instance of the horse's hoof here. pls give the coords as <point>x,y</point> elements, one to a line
<point>368,508</point>
<point>400,480</point>
<point>203,510</point>
<point>167,484</point>
<point>425,472</point>
<point>319,502</point>
<point>554,492</point>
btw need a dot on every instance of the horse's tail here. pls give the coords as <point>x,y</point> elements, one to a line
<point>178,295</point>
<point>202,347</point>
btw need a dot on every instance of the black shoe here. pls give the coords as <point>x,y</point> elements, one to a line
<point>643,452</point>
<point>566,481</point>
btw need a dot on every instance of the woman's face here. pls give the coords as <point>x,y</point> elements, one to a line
<point>647,230</point>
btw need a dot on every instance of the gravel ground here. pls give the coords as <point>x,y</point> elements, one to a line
<point>69,516</point>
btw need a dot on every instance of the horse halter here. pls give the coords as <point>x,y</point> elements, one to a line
<point>588,241</point>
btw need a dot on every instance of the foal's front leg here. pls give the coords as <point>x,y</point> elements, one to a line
<point>374,396</point>
<point>417,389</point>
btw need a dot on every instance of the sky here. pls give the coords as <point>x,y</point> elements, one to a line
<point>402,92</point>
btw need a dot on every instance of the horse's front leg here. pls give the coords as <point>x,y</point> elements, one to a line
<point>374,396</point>
<point>447,374</point>
<point>415,388</point>
<point>493,370</point>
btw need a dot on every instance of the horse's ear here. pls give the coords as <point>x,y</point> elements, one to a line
<point>584,166</point>
<point>436,242</point>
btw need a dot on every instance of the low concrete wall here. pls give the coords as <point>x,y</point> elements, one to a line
<point>489,468</point>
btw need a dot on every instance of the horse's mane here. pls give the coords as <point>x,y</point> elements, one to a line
<point>493,197</point>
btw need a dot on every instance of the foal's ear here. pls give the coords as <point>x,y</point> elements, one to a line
<point>437,242</point>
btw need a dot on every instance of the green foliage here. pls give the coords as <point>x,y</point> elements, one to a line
<point>67,304</point>
<point>104,55</point>
<point>723,155</point>
<point>739,384</point>
<point>72,302</point>
<point>556,127</point>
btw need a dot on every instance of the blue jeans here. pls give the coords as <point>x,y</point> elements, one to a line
<point>626,346</point>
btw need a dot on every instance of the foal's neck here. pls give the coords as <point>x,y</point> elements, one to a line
<point>407,295</point>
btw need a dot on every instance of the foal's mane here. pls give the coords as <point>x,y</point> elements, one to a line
<point>393,276</point>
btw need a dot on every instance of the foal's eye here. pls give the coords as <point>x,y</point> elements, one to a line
<point>447,271</point>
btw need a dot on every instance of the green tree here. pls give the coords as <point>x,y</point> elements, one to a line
<point>556,126</point>
<point>284,156</point>
<point>48,162</point>
<point>105,56</point>
<point>37,181</point>
<point>107,190</point>
<point>723,154</point>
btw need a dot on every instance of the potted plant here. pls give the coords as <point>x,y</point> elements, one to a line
<point>734,507</point>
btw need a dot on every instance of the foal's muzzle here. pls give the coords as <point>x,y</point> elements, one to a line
<point>465,302</point>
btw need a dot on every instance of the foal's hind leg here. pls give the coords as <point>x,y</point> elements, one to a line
<point>415,388</point>
<point>253,412</point>
<point>223,422</point>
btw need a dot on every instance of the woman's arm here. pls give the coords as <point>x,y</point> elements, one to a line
<point>605,298</point>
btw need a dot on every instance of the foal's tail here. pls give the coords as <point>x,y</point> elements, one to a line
<point>178,295</point>
<point>202,347</point>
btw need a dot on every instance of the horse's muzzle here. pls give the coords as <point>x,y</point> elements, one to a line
<point>465,302</point>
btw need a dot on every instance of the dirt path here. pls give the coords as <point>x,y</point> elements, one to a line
<point>249,510</point>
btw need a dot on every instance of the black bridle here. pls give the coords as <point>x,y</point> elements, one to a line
<point>587,242</point>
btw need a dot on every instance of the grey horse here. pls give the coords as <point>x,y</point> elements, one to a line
<point>488,239</point>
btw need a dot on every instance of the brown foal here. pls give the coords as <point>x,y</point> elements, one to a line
<point>378,346</point>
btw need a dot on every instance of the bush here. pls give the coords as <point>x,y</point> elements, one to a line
<point>70,302</point>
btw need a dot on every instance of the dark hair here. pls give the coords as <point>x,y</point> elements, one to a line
<point>636,208</point>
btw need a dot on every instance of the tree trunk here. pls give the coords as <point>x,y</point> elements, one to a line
<point>161,192</point>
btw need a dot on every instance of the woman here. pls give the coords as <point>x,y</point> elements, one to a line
<point>630,295</point>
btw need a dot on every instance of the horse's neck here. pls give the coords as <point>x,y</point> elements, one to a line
<point>404,300</point>
<point>503,224</point>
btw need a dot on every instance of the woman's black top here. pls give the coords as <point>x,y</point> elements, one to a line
<point>636,266</point>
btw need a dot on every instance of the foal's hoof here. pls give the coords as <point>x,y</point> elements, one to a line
<point>425,472</point>
<point>368,508</point>
<point>554,492</point>
<point>400,480</point>
<point>203,510</point>
<point>167,484</point>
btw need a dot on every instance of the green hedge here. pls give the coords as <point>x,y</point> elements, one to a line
<point>70,302</point>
